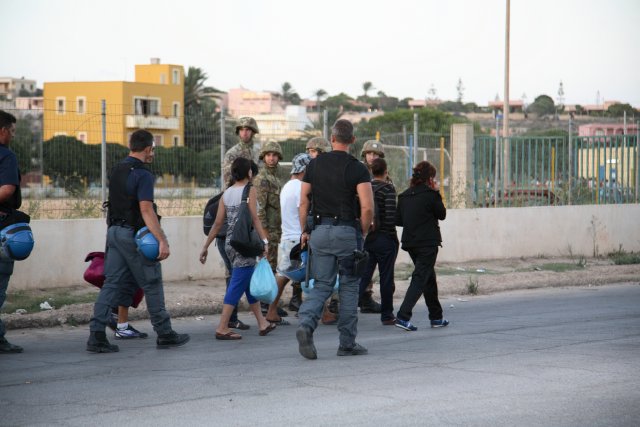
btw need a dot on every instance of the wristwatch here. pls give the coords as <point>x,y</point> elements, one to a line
<point>265,241</point>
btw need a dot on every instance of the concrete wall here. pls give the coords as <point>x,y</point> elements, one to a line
<point>469,234</point>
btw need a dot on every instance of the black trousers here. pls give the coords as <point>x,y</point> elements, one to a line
<point>423,283</point>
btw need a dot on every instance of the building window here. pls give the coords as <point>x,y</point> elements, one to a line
<point>176,140</point>
<point>158,140</point>
<point>60,105</point>
<point>82,136</point>
<point>176,109</point>
<point>147,107</point>
<point>163,79</point>
<point>175,77</point>
<point>81,107</point>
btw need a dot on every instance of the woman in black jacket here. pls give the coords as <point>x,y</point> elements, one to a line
<point>419,209</point>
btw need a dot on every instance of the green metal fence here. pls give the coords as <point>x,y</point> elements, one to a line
<point>543,171</point>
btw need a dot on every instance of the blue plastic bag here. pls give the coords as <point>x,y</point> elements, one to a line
<point>306,288</point>
<point>263,286</point>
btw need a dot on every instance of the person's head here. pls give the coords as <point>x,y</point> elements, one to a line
<point>379,168</point>
<point>271,154</point>
<point>7,127</point>
<point>372,150</point>
<point>423,174</point>
<point>241,169</point>
<point>299,163</point>
<point>317,145</point>
<point>246,128</point>
<point>342,132</point>
<point>141,145</point>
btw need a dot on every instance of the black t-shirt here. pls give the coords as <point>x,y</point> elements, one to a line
<point>334,177</point>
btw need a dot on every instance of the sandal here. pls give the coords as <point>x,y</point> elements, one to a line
<point>280,322</point>
<point>228,336</point>
<point>266,330</point>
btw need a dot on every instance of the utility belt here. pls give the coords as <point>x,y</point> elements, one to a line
<point>119,223</point>
<point>335,221</point>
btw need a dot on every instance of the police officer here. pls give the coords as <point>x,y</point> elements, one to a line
<point>268,187</point>
<point>131,207</point>
<point>10,198</point>
<point>333,180</point>
<point>246,129</point>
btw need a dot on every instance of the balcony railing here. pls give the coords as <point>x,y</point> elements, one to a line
<point>152,122</point>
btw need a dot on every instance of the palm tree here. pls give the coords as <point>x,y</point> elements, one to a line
<point>367,86</point>
<point>193,86</point>
<point>319,94</point>
<point>286,91</point>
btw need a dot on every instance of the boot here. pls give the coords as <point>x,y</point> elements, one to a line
<point>296,297</point>
<point>98,343</point>
<point>328,318</point>
<point>7,347</point>
<point>368,304</point>
<point>172,339</point>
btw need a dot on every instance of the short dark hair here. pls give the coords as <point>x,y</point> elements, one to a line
<point>342,130</point>
<point>140,140</point>
<point>6,119</point>
<point>240,169</point>
<point>378,167</point>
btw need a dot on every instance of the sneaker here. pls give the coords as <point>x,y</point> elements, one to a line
<point>238,324</point>
<point>389,322</point>
<point>172,339</point>
<point>7,347</point>
<point>439,323</point>
<point>112,323</point>
<point>98,343</point>
<point>356,350</point>
<point>306,348</point>
<point>406,325</point>
<point>130,332</point>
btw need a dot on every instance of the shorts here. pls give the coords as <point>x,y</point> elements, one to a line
<point>284,249</point>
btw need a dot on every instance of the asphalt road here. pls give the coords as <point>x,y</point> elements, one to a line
<point>549,357</point>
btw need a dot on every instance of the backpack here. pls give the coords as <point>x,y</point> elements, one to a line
<point>378,201</point>
<point>209,216</point>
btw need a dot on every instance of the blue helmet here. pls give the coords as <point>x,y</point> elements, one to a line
<point>16,241</point>
<point>297,271</point>
<point>147,244</point>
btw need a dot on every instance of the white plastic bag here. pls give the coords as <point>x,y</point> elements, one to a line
<point>263,285</point>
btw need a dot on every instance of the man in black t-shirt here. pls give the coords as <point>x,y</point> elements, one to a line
<point>333,180</point>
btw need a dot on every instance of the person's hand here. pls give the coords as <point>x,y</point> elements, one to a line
<point>434,184</point>
<point>304,238</point>
<point>203,256</point>
<point>266,250</point>
<point>164,250</point>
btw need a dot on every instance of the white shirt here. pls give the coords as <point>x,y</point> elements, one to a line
<point>289,204</point>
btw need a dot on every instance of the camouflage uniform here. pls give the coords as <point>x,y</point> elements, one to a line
<point>241,149</point>
<point>373,146</point>
<point>268,187</point>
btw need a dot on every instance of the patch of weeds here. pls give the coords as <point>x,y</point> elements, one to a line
<point>582,262</point>
<point>473,285</point>
<point>560,267</point>
<point>30,300</point>
<point>622,257</point>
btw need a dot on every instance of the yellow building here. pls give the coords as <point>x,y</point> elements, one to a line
<point>154,102</point>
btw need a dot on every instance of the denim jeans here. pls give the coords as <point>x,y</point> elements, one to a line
<point>423,283</point>
<point>383,250</point>
<point>123,266</point>
<point>6,269</point>
<point>332,250</point>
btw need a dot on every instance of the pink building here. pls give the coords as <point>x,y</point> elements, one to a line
<point>244,102</point>
<point>603,129</point>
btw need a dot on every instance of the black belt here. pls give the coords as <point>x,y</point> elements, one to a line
<point>120,223</point>
<point>329,220</point>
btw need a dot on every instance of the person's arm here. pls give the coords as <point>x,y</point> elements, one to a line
<point>256,221</point>
<point>303,211</point>
<point>6,192</point>
<point>440,212</point>
<point>221,216</point>
<point>365,194</point>
<point>262,198</point>
<point>151,221</point>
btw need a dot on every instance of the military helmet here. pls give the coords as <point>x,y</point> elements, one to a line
<point>270,147</point>
<point>372,146</point>
<point>319,144</point>
<point>247,122</point>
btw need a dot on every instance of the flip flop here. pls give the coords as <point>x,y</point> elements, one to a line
<point>268,329</point>
<point>228,336</point>
<point>281,322</point>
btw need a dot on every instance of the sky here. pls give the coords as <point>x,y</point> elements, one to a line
<point>403,47</point>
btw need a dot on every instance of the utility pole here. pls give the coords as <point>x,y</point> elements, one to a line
<point>506,170</point>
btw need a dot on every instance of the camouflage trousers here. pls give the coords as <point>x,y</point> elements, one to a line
<point>272,252</point>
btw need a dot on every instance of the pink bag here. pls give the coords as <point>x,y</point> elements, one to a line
<point>94,274</point>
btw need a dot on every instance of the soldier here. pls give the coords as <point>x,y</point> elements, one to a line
<point>268,187</point>
<point>246,129</point>
<point>371,150</point>
<point>317,146</point>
